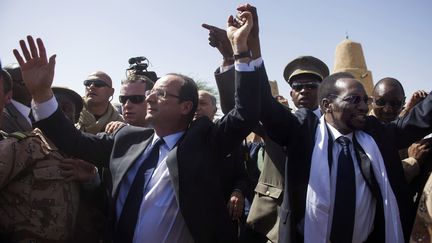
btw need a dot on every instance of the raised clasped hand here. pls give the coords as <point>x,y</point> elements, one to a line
<point>238,30</point>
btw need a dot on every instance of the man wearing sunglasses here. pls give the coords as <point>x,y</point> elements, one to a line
<point>304,75</point>
<point>132,98</point>
<point>345,184</point>
<point>97,111</point>
<point>388,99</point>
<point>166,185</point>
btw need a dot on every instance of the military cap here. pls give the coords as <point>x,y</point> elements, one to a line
<point>14,70</point>
<point>305,65</point>
<point>74,96</point>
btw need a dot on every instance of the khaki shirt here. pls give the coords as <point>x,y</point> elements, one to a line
<point>36,203</point>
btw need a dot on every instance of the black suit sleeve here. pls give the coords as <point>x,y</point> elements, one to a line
<point>279,123</point>
<point>416,124</point>
<point>232,128</point>
<point>226,85</point>
<point>406,130</point>
<point>69,140</point>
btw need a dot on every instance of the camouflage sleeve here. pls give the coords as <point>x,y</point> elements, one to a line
<point>18,154</point>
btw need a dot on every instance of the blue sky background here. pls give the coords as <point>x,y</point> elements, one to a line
<point>102,35</point>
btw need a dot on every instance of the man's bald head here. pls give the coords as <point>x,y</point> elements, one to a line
<point>386,84</point>
<point>99,75</point>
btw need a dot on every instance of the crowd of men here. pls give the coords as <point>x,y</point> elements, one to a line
<point>341,166</point>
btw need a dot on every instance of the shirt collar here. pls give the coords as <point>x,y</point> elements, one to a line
<point>336,134</point>
<point>317,112</point>
<point>170,140</point>
<point>23,109</point>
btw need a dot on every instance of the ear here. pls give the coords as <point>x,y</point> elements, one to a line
<point>111,91</point>
<point>291,93</point>
<point>186,107</point>
<point>327,105</point>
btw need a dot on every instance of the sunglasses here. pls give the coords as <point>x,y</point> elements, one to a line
<point>135,99</point>
<point>355,99</point>
<point>392,103</point>
<point>96,82</point>
<point>300,86</point>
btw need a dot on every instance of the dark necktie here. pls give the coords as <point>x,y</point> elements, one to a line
<point>31,117</point>
<point>345,198</point>
<point>128,218</point>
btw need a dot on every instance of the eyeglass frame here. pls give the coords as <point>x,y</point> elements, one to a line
<point>95,82</point>
<point>160,93</point>
<point>366,99</point>
<point>134,99</point>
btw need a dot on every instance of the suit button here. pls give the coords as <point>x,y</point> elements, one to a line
<point>267,193</point>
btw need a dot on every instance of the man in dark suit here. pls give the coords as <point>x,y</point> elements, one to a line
<point>16,114</point>
<point>182,198</point>
<point>310,140</point>
<point>304,75</point>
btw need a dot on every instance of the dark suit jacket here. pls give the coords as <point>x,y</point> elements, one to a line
<point>13,120</point>
<point>193,163</point>
<point>297,133</point>
<point>263,214</point>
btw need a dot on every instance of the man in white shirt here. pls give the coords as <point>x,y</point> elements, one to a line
<point>182,197</point>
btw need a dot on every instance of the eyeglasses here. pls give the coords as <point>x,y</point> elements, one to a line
<point>135,99</point>
<point>354,99</point>
<point>160,93</point>
<point>96,82</point>
<point>392,103</point>
<point>299,86</point>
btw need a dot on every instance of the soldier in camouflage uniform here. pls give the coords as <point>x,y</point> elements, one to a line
<point>36,203</point>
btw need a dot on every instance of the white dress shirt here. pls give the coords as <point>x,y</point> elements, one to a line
<point>23,110</point>
<point>365,202</point>
<point>159,219</point>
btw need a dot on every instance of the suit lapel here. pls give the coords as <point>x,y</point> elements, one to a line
<point>121,165</point>
<point>172,165</point>
<point>19,119</point>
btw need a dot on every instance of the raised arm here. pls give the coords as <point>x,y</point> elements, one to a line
<point>37,71</point>
<point>224,75</point>
<point>38,74</point>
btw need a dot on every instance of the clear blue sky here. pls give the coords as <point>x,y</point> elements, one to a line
<point>90,35</point>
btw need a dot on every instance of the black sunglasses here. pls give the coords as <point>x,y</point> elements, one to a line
<point>392,103</point>
<point>300,86</point>
<point>355,99</point>
<point>135,99</point>
<point>96,82</point>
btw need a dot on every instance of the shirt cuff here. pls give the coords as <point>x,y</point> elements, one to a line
<point>223,69</point>
<point>248,67</point>
<point>45,109</point>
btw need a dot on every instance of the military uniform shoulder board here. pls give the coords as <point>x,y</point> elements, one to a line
<point>17,135</point>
